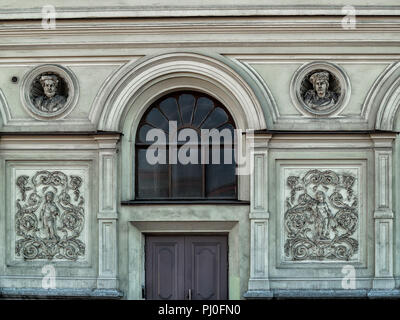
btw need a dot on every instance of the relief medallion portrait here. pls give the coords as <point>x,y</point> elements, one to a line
<point>320,89</point>
<point>51,96</point>
<point>49,91</point>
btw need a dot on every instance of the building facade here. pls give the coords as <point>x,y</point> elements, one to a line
<point>312,93</point>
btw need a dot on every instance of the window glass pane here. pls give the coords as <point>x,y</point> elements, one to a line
<point>221,178</point>
<point>232,133</point>
<point>187,180</point>
<point>229,127</point>
<point>152,180</point>
<point>143,132</point>
<point>186,103</point>
<point>203,107</point>
<point>215,119</point>
<point>188,135</point>
<point>170,108</point>
<point>156,118</point>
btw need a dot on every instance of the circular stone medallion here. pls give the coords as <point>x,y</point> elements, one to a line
<point>320,89</point>
<point>49,91</point>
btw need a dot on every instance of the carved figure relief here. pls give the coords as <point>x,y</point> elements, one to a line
<point>320,88</point>
<point>51,95</point>
<point>50,216</point>
<point>49,91</point>
<point>321,216</point>
<point>320,96</point>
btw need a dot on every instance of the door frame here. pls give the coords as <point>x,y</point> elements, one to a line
<point>139,229</point>
<point>191,234</point>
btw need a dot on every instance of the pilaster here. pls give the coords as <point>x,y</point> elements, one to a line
<point>258,286</point>
<point>383,213</point>
<point>107,216</point>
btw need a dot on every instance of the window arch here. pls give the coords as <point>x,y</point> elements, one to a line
<point>199,179</point>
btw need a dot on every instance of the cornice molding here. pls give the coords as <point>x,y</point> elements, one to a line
<point>200,25</point>
<point>135,11</point>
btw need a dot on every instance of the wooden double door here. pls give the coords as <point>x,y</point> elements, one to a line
<point>186,267</point>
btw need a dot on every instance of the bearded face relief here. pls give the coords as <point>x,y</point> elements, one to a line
<point>320,97</point>
<point>49,98</point>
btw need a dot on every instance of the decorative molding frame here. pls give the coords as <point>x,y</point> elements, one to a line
<point>360,166</point>
<point>333,69</point>
<point>362,151</point>
<point>226,80</point>
<point>98,152</point>
<point>5,115</point>
<point>136,245</point>
<point>70,80</point>
<point>127,94</point>
<point>67,12</point>
<point>384,98</point>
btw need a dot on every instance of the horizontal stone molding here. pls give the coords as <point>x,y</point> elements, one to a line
<point>324,293</point>
<point>39,293</point>
<point>257,8</point>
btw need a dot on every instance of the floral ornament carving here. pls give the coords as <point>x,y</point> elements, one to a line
<point>321,216</point>
<point>50,216</point>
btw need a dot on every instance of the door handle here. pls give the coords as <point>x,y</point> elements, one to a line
<point>190,294</point>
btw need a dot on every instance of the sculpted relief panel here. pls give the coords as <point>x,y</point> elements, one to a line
<point>50,214</point>
<point>322,213</point>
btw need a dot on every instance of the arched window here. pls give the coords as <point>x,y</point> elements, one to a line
<point>190,113</point>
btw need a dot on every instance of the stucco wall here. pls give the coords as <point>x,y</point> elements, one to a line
<point>248,63</point>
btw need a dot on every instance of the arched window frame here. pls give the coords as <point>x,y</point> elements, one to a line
<point>140,145</point>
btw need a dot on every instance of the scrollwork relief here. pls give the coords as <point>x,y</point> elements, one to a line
<point>50,216</point>
<point>322,216</point>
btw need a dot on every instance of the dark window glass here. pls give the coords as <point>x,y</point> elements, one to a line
<point>154,181</point>
<point>186,103</point>
<point>203,107</point>
<point>195,111</point>
<point>221,178</point>
<point>187,181</point>
<point>157,119</point>
<point>169,107</point>
<point>216,118</point>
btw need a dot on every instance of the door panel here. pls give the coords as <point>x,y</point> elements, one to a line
<point>164,267</point>
<point>177,265</point>
<point>206,267</point>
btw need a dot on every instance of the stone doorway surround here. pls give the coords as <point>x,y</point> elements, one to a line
<point>138,230</point>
